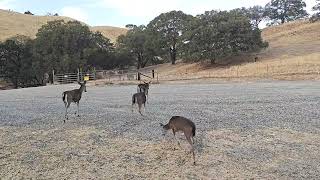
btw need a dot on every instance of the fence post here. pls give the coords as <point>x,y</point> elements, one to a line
<point>94,73</point>
<point>157,78</point>
<point>53,76</point>
<point>153,73</point>
<point>78,75</point>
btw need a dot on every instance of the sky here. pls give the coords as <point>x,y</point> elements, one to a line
<point>121,12</point>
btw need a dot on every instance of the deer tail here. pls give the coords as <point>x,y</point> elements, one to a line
<point>133,99</point>
<point>64,96</point>
<point>194,131</point>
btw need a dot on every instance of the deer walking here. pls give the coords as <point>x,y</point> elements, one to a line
<point>144,88</point>
<point>179,123</point>
<point>73,96</point>
<point>140,99</point>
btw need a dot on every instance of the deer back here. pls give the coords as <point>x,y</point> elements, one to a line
<point>179,123</point>
<point>140,97</point>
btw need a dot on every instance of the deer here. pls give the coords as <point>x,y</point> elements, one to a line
<point>144,87</point>
<point>139,98</point>
<point>182,124</point>
<point>73,96</point>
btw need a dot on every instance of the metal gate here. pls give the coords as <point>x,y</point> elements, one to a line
<point>73,77</point>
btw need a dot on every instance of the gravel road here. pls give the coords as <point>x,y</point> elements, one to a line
<point>244,130</point>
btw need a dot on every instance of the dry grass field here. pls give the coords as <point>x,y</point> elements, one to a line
<point>13,23</point>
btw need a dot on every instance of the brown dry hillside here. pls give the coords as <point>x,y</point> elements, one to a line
<point>297,38</point>
<point>13,23</point>
<point>111,32</point>
<point>293,53</point>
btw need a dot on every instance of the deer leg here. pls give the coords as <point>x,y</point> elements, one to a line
<point>174,135</point>
<point>147,96</point>
<point>66,115</point>
<point>140,105</point>
<point>78,109</point>
<point>132,107</point>
<point>192,149</point>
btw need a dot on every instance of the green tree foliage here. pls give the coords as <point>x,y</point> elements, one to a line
<point>316,15</point>
<point>139,43</point>
<point>66,46</point>
<point>256,15</point>
<point>16,62</point>
<point>219,34</point>
<point>168,29</point>
<point>281,11</point>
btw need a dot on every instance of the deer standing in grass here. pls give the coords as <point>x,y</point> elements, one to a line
<point>178,123</point>
<point>140,99</point>
<point>73,96</point>
<point>144,87</point>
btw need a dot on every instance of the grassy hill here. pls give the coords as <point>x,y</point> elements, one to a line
<point>299,38</point>
<point>13,23</point>
<point>293,53</point>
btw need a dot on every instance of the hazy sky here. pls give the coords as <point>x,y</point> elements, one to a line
<point>122,12</point>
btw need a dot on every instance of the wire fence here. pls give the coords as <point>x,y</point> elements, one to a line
<point>109,75</point>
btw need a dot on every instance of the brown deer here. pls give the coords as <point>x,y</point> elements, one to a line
<point>179,123</point>
<point>139,98</point>
<point>144,88</point>
<point>73,96</point>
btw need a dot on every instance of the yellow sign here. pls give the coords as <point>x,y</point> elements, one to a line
<point>86,78</point>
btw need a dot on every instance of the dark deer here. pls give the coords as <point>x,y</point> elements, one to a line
<point>139,98</point>
<point>144,87</point>
<point>178,123</point>
<point>73,96</point>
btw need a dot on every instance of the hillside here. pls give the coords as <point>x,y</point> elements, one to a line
<point>297,38</point>
<point>293,53</point>
<point>111,32</point>
<point>13,23</point>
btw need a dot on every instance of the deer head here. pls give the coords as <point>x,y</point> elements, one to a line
<point>165,128</point>
<point>83,86</point>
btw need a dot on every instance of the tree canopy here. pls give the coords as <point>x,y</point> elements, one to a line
<point>16,62</point>
<point>220,34</point>
<point>316,15</point>
<point>168,28</point>
<point>66,46</point>
<point>281,11</point>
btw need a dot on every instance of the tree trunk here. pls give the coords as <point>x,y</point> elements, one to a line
<point>213,61</point>
<point>15,83</point>
<point>144,63</point>
<point>173,55</point>
<point>139,61</point>
<point>213,58</point>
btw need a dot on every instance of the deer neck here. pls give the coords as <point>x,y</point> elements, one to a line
<point>81,89</point>
<point>166,127</point>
